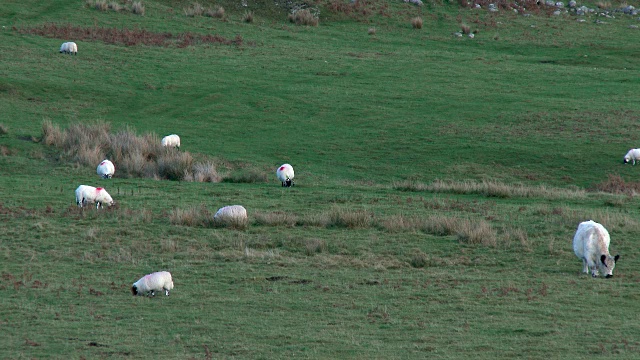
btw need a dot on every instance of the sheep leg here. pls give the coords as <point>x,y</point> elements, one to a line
<point>585,267</point>
<point>153,293</point>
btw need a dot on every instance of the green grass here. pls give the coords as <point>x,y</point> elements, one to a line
<point>404,143</point>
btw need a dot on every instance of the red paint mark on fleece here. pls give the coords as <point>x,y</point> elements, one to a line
<point>98,189</point>
<point>102,163</point>
<point>282,168</point>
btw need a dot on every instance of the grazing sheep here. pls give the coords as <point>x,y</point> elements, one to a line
<point>88,194</point>
<point>591,244</point>
<point>149,284</point>
<point>632,155</point>
<point>69,48</point>
<point>106,169</point>
<point>234,215</point>
<point>285,175</point>
<point>172,140</point>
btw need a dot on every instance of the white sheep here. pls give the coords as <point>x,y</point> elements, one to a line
<point>172,140</point>
<point>106,169</point>
<point>149,284</point>
<point>234,215</point>
<point>88,194</point>
<point>632,155</point>
<point>591,244</point>
<point>69,48</point>
<point>285,175</point>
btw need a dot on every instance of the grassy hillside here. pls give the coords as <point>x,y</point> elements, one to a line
<point>439,182</point>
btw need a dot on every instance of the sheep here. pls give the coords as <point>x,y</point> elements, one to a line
<point>233,215</point>
<point>591,244</point>
<point>149,284</point>
<point>69,48</point>
<point>172,140</point>
<point>285,175</point>
<point>106,169</point>
<point>88,194</point>
<point>632,155</point>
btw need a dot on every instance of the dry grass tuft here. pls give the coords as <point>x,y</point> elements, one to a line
<point>604,5</point>
<point>371,31</point>
<point>137,8</point>
<point>248,16</point>
<point>348,218</point>
<point>416,23</point>
<point>419,259</point>
<point>278,218</point>
<point>100,5</point>
<point>4,129</point>
<point>194,10</point>
<point>173,165</point>
<point>193,216</point>
<point>115,6</point>
<point>477,232</point>
<point>615,184</point>
<point>465,29</point>
<point>135,156</point>
<point>204,172</point>
<point>399,223</point>
<point>491,188</point>
<point>314,246</point>
<point>303,17</point>
<point>215,12</point>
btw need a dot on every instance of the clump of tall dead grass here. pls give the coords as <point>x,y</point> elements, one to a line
<point>134,155</point>
<point>192,216</point>
<point>371,31</point>
<point>215,12</point>
<point>303,17</point>
<point>4,129</point>
<point>138,8</point>
<point>350,218</point>
<point>115,6</point>
<point>492,188</point>
<point>314,246</point>
<point>196,9</point>
<point>615,184</point>
<point>248,17</point>
<point>204,172</point>
<point>416,23</point>
<point>277,218</point>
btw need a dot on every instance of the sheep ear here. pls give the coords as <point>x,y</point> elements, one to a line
<point>603,258</point>
<point>616,258</point>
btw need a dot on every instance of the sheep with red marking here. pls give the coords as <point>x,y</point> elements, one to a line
<point>106,169</point>
<point>150,283</point>
<point>285,174</point>
<point>88,195</point>
<point>69,48</point>
<point>591,244</point>
<point>172,140</point>
<point>632,156</point>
